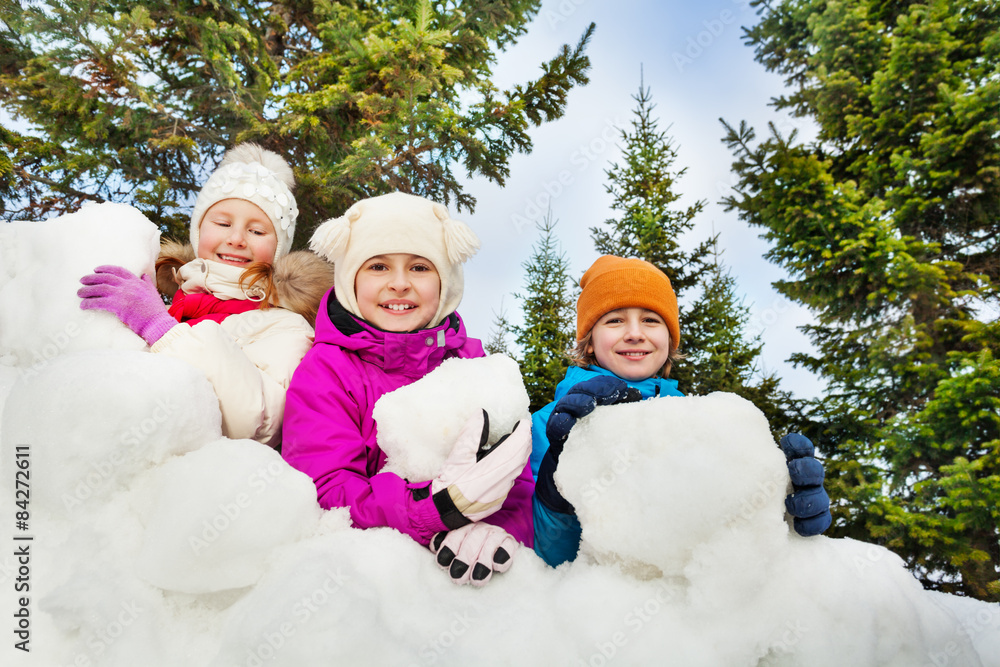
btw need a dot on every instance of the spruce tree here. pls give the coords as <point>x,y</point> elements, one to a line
<point>643,189</point>
<point>548,332</point>
<point>497,343</point>
<point>888,224</point>
<point>137,102</point>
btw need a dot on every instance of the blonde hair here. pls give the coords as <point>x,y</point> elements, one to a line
<point>583,357</point>
<point>263,273</point>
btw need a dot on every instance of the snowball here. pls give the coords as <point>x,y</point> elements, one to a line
<point>93,420</point>
<point>41,264</point>
<point>417,428</point>
<point>691,483</point>
<point>214,516</point>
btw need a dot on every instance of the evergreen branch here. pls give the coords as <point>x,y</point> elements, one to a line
<point>59,187</point>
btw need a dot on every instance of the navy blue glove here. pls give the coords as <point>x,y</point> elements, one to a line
<point>578,402</point>
<point>808,504</point>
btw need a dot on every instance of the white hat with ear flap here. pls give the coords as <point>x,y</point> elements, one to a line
<point>396,223</point>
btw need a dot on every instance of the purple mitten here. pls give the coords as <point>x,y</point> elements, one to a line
<point>132,300</point>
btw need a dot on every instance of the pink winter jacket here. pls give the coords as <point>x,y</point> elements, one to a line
<point>330,435</point>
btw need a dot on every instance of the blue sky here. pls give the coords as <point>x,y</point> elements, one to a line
<point>698,69</point>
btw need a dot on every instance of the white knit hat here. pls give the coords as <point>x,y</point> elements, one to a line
<point>259,176</point>
<point>396,223</point>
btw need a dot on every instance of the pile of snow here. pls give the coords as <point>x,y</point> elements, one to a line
<point>714,528</point>
<point>155,541</point>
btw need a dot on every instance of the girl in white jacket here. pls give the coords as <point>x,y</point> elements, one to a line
<point>245,307</point>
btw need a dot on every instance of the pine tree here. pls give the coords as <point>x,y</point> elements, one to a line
<point>649,226</point>
<point>889,226</point>
<point>497,342</point>
<point>642,187</point>
<point>137,102</point>
<point>548,332</point>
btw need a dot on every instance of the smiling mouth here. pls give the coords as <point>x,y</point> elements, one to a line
<point>232,258</point>
<point>397,307</point>
<point>633,355</point>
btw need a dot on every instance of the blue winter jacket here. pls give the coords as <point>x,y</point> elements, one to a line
<point>557,535</point>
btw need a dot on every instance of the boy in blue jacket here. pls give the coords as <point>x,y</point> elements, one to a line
<point>628,331</point>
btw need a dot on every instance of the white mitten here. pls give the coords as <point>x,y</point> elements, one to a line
<point>477,477</point>
<point>472,553</point>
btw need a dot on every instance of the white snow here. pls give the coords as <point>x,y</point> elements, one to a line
<point>40,268</point>
<point>155,541</point>
<point>720,482</point>
<point>417,448</point>
<point>203,531</point>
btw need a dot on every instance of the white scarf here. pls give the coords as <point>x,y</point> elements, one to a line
<point>220,280</point>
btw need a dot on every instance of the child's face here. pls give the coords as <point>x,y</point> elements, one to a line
<point>236,232</point>
<point>632,343</point>
<point>398,291</point>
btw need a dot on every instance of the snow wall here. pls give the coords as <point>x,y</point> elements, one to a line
<point>147,538</point>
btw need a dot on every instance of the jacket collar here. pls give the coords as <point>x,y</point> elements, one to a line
<point>411,353</point>
<point>650,387</point>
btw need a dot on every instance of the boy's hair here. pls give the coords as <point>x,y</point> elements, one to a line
<point>581,356</point>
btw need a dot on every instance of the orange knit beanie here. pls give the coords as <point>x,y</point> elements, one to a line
<point>614,282</point>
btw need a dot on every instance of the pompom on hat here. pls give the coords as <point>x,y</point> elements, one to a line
<point>615,282</point>
<point>259,176</point>
<point>396,223</point>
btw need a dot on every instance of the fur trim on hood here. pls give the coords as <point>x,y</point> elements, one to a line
<point>300,278</point>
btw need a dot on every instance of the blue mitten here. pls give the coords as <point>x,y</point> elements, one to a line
<point>808,504</point>
<point>578,402</point>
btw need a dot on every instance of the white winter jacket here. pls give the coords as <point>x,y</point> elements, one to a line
<point>249,358</point>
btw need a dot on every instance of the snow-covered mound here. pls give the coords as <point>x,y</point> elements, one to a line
<point>691,490</point>
<point>40,268</point>
<point>213,540</point>
<point>155,541</point>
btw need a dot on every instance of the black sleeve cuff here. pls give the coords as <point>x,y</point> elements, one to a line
<point>450,515</point>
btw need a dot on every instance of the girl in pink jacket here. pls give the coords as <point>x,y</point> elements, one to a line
<point>389,320</point>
